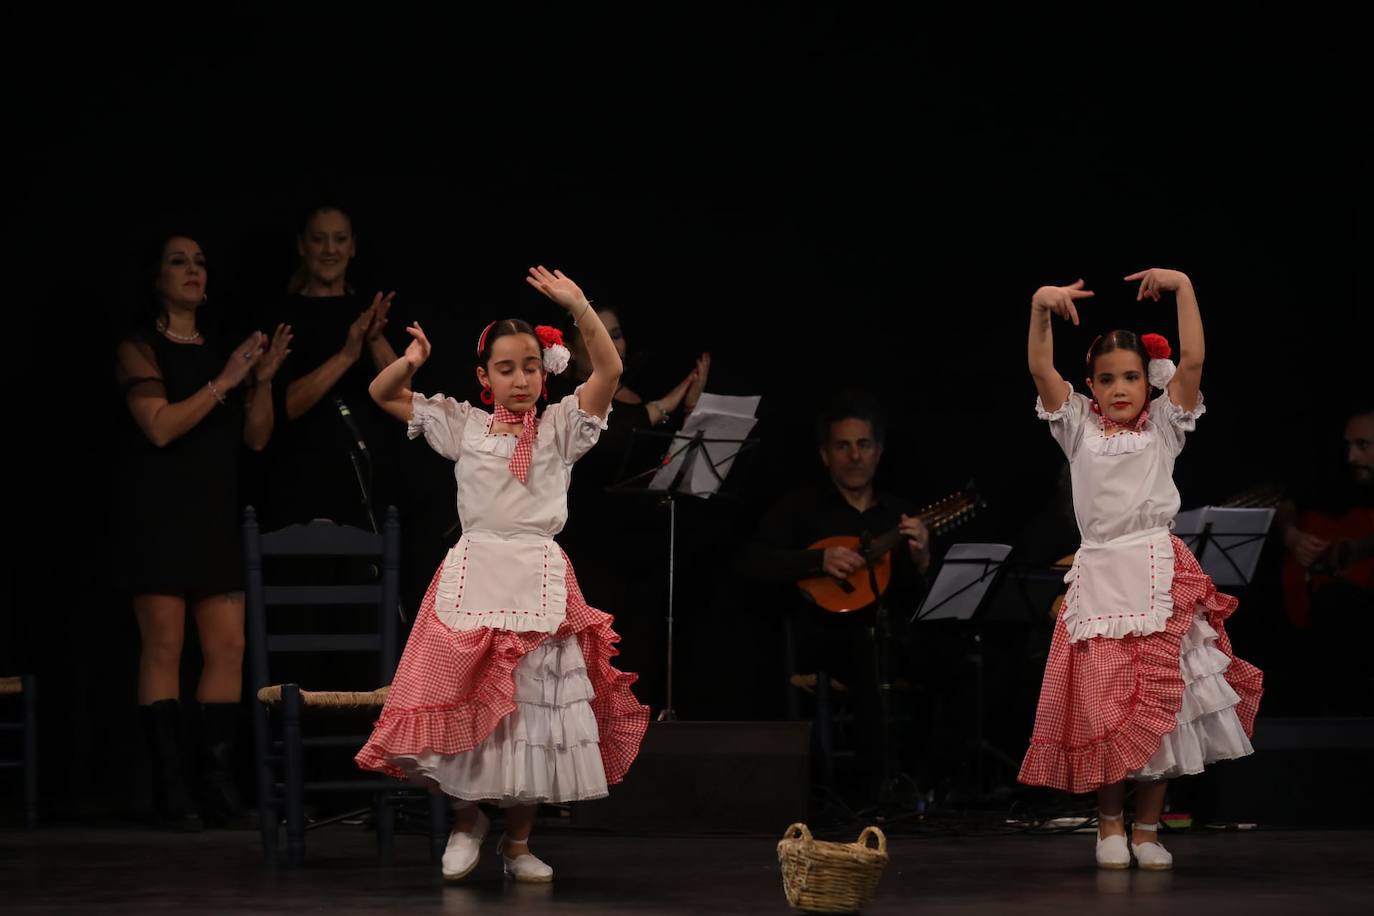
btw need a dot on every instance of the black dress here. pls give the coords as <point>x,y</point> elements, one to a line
<point>310,462</point>
<point>177,507</point>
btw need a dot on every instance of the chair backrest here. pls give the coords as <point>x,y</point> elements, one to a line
<point>321,538</point>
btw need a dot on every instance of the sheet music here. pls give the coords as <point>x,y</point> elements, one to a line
<point>1241,532</point>
<point>716,417</point>
<point>977,562</point>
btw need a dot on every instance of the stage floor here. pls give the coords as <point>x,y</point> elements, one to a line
<point>112,870</point>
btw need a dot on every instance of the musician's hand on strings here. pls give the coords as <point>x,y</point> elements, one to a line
<point>841,562</point>
<point>918,539</point>
<point>1307,548</point>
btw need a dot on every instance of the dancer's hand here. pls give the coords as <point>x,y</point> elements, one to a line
<point>418,351</point>
<point>1060,299</point>
<point>1156,279</point>
<point>559,288</point>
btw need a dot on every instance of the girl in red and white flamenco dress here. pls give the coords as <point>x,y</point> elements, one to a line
<point>505,692</point>
<point>1141,683</point>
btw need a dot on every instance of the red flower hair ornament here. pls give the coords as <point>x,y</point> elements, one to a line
<point>1161,368</point>
<point>556,355</point>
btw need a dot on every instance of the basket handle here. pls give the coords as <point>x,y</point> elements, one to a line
<point>870,832</point>
<point>797,831</point>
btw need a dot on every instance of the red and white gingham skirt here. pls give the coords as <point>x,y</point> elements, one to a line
<point>1107,704</point>
<point>453,687</point>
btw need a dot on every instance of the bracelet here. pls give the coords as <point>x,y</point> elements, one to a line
<point>215,391</point>
<point>584,313</point>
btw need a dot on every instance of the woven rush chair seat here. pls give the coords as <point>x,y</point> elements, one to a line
<point>340,699</point>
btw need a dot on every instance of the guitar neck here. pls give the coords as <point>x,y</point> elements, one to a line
<point>1264,496</point>
<point>944,514</point>
<point>885,542</point>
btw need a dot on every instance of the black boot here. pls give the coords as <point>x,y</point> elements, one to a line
<point>172,808</point>
<point>220,803</point>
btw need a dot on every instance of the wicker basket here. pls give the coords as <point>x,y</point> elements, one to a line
<point>822,877</point>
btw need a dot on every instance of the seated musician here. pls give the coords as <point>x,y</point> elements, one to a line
<point>1328,533</point>
<point>850,434</point>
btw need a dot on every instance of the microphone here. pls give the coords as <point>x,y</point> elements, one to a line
<point>347,416</point>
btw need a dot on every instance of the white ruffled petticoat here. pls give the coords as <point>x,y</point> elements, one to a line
<point>547,750</point>
<point>1208,727</point>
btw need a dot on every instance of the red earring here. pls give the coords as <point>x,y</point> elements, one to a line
<point>487,397</point>
<point>546,390</point>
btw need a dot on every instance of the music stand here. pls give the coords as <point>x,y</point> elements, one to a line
<point>696,463</point>
<point>1227,542</point>
<point>364,483</point>
<point>358,452</point>
<point>966,576</point>
<point>882,647</point>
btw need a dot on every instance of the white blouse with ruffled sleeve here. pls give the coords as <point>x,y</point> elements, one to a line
<point>506,571</point>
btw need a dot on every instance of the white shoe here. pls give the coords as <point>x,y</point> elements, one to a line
<point>1150,855</point>
<point>1112,851</point>
<point>526,867</point>
<point>460,856</point>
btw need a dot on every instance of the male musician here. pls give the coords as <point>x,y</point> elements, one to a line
<point>850,436</point>
<point>1329,582</point>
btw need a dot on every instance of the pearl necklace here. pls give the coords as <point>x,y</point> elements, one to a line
<point>164,329</point>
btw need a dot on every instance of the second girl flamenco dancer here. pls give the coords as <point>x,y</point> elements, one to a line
<point>505,692</point>
<point>1140,683</point>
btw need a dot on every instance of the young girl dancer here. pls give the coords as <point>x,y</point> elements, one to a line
<point>505,692</point>
<point>1140,683</point>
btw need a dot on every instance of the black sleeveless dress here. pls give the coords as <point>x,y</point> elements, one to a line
<point>177,513</point>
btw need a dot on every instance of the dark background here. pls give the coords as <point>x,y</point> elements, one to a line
<point>820,196</point>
